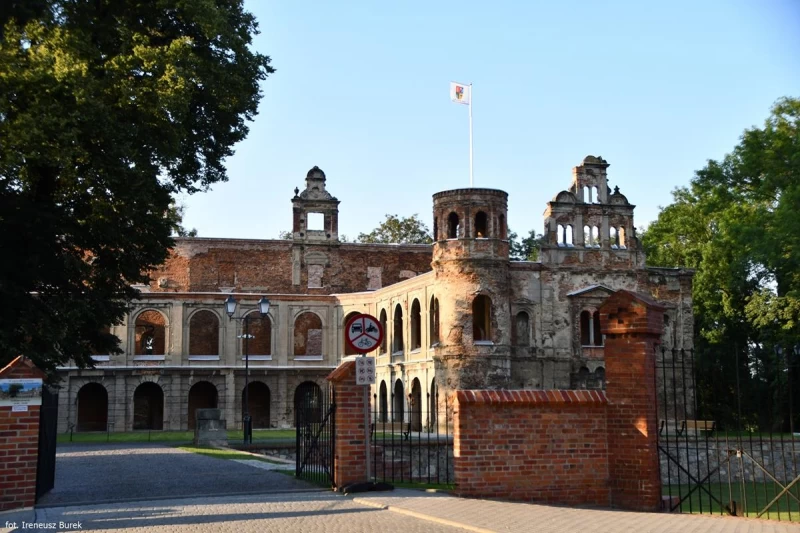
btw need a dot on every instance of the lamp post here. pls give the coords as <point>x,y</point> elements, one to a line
<point>263,309</point>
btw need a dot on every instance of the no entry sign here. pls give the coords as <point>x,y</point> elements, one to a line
<point>363,333</point>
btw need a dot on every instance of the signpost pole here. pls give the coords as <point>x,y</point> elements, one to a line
<point>366,427</point>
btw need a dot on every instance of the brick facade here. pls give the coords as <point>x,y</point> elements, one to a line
<point>19,444</point>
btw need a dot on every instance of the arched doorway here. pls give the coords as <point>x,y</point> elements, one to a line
<point>92,408</point>
<point>416,405</point>
<point>258,403</point>
<point>308,396</point>
<point>398,402</point>
<point>148,406</point>
<point>202,395</point>
<point>383,403</point>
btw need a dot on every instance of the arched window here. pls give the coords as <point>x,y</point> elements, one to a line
<point>435,228</point>
<point>586,329</point>
<point>384,342</point>
<point>347,349</point>
<point>596,236</point>
<point>481,225</point>
<point>597,336</point>
<point>587,236</point>
<point>622,241</point>
<point>612,238</point>
<point>561,237</point>
<point>202,395</point>
<point>397,337</point>
<point>452,226</point>
<point>433,315</point>
<point>521,330</point>
<point>308,334</point>
<point>600,376</point>
<point>433,408</point>
<point>596,195</point>
<point>482,318</point>
<point>415,405</point>
<point>261,331</point>
<point>383,403</point>
<point>204,333</point>
<point>568,235</point>
<point>150,333</point>
<point>148,406</point>
<point>586,194</point>
<point>502,227</point>
<point>416,326</point>
<point>258,404</point>
<point>398,402</point>
<point>92,408</point>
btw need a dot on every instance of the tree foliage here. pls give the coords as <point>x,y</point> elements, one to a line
<point>405,230</point>
<point>525,249</point>
<point>107,109</point>
<point>737,224</point>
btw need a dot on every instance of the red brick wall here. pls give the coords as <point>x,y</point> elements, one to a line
<point>19,444</point>
<point>350,460</point>
<point>548,446</point>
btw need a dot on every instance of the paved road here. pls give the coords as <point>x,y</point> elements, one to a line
<point>124,472</point>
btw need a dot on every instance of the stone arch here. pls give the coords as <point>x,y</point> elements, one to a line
<point>453,226</point>
<point>383,403</point>
<point>415,405</point>
<point>308,396</point>
<point>261,330</point>
<point>308,334</point>
<point>150,333</point>
<point>92,407</point>
<point>416,325</point>
<point>521,329</point>
<point>397,337</point>
<point>384,341</point>
<point>433,318</point>
<point>148,406</point>
<point>481,229</point>
<point>258,404</point>
<point>202,395</point>
<point>398,401</point>
<point>347,349</point>
<point>482,318</point>
<point>204,333</point>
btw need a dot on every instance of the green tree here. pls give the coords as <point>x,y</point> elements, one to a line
<point>526,249</point>
<point>737,224</point>
<point>175,214</point>
<point>406,230</point>
<point>107,109</point>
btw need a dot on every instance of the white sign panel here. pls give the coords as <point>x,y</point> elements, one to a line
<point>21,391</point>
<point>365,371</point>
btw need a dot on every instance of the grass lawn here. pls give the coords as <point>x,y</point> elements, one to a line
<point>234,435</point>
<point>224,454</point>
<point>753,499</point>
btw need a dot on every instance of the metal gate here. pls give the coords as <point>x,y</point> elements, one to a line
<point>314,420</point>
<point>46,462</point>
<point>726,435</point>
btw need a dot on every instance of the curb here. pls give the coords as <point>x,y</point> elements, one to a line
<point>421,516</point>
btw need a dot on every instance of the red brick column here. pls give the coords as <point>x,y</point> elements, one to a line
<point>19,443</point>
<point>632,324</point>
<point>351,439</point>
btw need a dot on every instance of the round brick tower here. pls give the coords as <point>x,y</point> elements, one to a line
<point>470,262</point>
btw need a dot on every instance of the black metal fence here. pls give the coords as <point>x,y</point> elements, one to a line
<point>46,461</point>
<point>411,441</point>
<point>726,434</point>
<point>314,420</point>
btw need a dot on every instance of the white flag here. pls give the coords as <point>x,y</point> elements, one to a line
<point>460,93</point>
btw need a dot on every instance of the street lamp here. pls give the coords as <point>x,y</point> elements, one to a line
<point>263,309</point>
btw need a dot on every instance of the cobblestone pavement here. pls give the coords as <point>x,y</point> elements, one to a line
<point>496,516</point>
<point>124,472</point>
<point>297,512</point>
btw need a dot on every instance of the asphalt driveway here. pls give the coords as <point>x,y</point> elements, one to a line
<point>100,473</point>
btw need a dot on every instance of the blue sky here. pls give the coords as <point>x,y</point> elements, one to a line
<point>361,90</point>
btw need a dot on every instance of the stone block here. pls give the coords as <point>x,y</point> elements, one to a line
<point>209,429</point>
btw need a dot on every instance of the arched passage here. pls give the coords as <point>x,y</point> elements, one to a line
<point>202,395</point>
<point>148,406</point>
<point>415,406</point>
<point>433,407</point>
<point>92,408</point>
<point>308,397</point>
<point>258,403</point>
<point>398,402</point>
<point>383,404</point>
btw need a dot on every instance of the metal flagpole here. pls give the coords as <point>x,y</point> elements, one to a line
<point>470,137</point>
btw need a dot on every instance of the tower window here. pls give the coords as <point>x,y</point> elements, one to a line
<point>452,226</point>
<point>612,240</point>
<point>587,236</point>
<point>482,318</point>
<point>481,225</point>
<point>502,227</point>
<point>568,235</point>
<point>622,238</point>
<point>596,236</point>
<point>315,221</point>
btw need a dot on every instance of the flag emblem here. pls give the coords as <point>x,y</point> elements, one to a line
<point>460,93</point>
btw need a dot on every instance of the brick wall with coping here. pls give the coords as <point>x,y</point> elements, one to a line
<point>350,447</point>
<point>532,445</point>
<point>19,443</point>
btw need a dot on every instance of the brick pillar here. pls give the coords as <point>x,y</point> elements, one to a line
<point>632,324</point>
<point>351,439</point>
<point>19,443</point>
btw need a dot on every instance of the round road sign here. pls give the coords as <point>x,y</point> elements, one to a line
<point>363,333</point>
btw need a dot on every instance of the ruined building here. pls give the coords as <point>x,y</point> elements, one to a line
<point>457,313</point>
